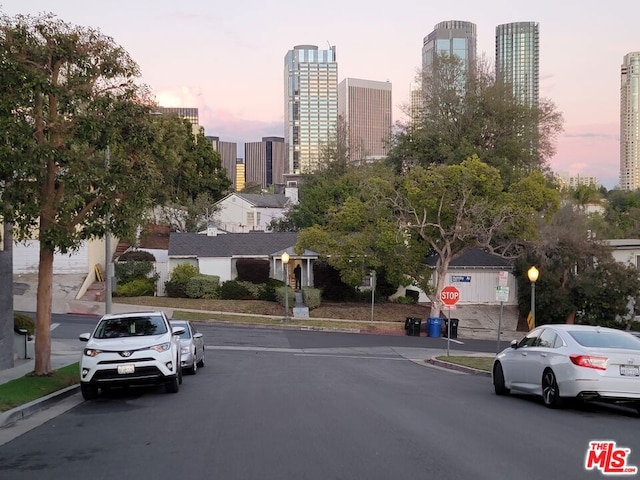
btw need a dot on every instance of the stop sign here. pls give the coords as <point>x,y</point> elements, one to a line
<point>450,295</point>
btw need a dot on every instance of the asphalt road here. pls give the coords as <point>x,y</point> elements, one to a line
<point>308,405</point>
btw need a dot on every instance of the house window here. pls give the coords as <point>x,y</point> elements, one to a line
<point>638,262</point>
<point>257,218</point>
<point>250,218</point>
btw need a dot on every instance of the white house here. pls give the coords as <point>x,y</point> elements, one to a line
<point>625,250</point>
<point>219,254</point>
<point>244,212</point>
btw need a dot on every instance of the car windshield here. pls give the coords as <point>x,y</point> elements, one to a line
<point>130,326</point>
<point>605,339</point>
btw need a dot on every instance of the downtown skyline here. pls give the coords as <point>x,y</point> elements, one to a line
<point>228,62</point>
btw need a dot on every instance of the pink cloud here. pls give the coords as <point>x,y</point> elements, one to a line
<point>590,150</point>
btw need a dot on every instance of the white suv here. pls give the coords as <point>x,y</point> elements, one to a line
<point>137,348</point>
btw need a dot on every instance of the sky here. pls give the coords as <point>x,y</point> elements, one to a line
<point>227,58</point>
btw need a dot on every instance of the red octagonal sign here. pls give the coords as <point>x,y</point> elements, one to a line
<point>450,295</point>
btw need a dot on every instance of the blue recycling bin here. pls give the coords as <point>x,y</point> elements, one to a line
<point>435,324</point>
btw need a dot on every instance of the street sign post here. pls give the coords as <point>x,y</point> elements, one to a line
<point>449,296</point>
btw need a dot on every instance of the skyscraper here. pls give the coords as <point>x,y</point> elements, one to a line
<point>365,106</point>
<point>311,104</point>
<point>228,154</point>
<point>452,37</point>
<point>517,59</point>
<point>630,122</point>
<point>187,113</point>
<point>264,161</point>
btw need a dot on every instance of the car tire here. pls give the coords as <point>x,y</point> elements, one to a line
<point>173,385</point>
<point>498,380</point>
<point>89,392</point>
<point>550,390</point>
<point>179,373</point>
<point>201,362</point>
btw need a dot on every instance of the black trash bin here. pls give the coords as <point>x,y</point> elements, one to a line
<point>454,327</point>
<point>413,326</point>
<point>407,321</point>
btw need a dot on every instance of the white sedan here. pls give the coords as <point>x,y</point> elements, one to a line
<point>558,362</point>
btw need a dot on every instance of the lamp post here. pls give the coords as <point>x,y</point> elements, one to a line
<point>533,273</point>
<point>285,263</point>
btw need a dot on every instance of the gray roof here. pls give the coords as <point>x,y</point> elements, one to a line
<point>475,258</point>
<point>254,244</point>
<point>272,200</point>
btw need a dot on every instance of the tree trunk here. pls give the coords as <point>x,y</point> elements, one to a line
<point>436,303</point>
<point>43,313</point>
<point>571,318</point>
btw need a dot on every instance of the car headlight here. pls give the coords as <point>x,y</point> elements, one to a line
<point>91,352</point>
<point>163,347</point>
<point>185,350</point>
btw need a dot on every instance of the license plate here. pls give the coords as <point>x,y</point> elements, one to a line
<point>629,370</point>
<point>123,369</point>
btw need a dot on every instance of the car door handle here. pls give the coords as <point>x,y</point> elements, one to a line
<point>543,354</point>
<point>524,354</point>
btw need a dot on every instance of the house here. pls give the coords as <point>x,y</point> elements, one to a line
<point>476,274</point>
<point>244,212</point>
<point>218,254</point>
<point>625,250</point>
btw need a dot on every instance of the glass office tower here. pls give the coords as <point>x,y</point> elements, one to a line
<point>453,37</point>
<point>311,105</point>
<point>518,59</point>
<point>630,122</point>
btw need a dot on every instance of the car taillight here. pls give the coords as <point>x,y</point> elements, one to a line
<point>588,361</point>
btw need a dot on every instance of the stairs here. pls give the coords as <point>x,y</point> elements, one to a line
<point>299,309</point>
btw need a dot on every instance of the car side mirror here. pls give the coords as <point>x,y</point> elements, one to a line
<point>514,344</point>
<point>178,330</point>
<point>197,335</point>
<point>84,337</point>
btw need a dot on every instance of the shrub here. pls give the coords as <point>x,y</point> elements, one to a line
<point>136,256</point>
<point>311,297</point>
<point>252,270</point>
<point>134,270</point>
<point>233,290</point>
<point>22,321</point>
<point>177,283</point>
<point>140,287</point>
<point>267,291</point>
<point>203,286</point>
<point>280,296</point>
<point>406,300</point>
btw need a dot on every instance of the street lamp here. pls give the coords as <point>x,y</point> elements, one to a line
<point>285,263</point>
<point>533,273</point>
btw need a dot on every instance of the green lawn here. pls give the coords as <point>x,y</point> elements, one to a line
<point>480,363</point>
<point>30,387</point>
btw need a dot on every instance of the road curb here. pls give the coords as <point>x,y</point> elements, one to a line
<point>12,416</point>
<point>459,368</point>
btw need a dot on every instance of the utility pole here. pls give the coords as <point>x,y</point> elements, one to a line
<point>107,252</point>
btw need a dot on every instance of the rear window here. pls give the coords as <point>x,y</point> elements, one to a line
<point>603,339</point>
<point>130,326</point>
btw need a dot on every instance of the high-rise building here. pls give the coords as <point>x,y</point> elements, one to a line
<point>630,122</point>
<point>365,106</point>
<point>190,114</point>
<point>228,154</point>
<point>264,161</point>
<point>452,38</point>
<point>310,105</point>
<point>415,103</point>
<point>518,59</point>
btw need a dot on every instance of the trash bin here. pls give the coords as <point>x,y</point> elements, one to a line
<point>435,324</point>
<point>413,327</point>
<point>406,324</point>
<point>454,327</point>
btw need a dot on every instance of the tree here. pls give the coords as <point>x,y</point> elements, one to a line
<point>75,159</point>
<point>579,280</point>
<point>466,112</point>
<point>453,208</point>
